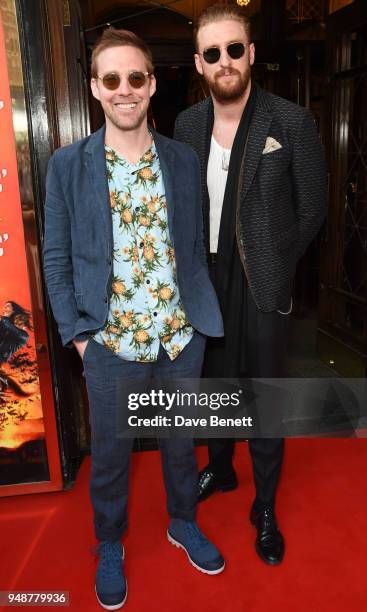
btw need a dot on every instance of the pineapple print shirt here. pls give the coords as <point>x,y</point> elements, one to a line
<point>145,308</point>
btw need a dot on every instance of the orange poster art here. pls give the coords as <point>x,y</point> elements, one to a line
<point>21,416</point>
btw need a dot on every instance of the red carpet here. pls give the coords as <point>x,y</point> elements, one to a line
<point>46,539</point>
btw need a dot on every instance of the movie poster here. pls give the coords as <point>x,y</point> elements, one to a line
<point>23,456</point>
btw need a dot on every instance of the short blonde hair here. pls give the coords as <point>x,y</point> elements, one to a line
<point>221,12</point>
<point>119,38</point>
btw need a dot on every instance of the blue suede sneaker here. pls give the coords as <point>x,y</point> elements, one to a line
<point>202,554</point>
<point>111,585</point>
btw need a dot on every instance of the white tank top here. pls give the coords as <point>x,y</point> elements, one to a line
<point>217,173</point>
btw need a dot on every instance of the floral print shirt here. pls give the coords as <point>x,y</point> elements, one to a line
<point>145,307</point>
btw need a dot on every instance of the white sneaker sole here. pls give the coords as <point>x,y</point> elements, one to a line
<point>204,571</point>
<point>116,606</point>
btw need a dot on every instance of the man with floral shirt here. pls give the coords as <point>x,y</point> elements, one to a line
<point>128,283</point>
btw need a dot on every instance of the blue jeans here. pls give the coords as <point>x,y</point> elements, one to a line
<point>111,455</point>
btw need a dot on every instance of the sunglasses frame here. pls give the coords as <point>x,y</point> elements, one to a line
<point>146,76</point>
<point>244,45</point>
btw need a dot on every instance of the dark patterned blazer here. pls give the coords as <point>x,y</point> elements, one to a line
<point>281,199</point>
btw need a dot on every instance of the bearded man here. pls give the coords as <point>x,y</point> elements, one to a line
<point>264,196</point>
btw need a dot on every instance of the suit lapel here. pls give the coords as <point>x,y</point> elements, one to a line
<point>167,164</point>
<point>203,133</point>
<point>95,161</point>
<point>258,132</point>
<point>257,135</point>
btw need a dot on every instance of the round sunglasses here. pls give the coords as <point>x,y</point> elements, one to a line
<point>235,51</point>
<point>136,79</point>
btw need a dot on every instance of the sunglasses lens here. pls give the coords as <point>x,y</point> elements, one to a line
<point>236,50</point>
<point>211,55</point>
<point>111,81</point>
<point>137,79</point>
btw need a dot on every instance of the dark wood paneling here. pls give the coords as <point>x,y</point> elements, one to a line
<point>343,294</point>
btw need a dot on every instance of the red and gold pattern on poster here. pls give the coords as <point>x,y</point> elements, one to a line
<point>21,416</point>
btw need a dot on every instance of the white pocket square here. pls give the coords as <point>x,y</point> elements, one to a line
<point>271,145</point>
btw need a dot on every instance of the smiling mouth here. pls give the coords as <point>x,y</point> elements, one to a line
<point>126,106</point>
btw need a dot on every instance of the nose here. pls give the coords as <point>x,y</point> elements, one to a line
<point>124,89</point>
<point>225,60</point>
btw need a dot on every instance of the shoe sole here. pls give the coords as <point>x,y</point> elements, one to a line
<point>265,559</point>
<point>119,605</point>
<point>204,571</point>
<point>221,489</point>
<point>114,607</point>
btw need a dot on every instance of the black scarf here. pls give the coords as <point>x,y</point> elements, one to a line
<point>226,356</point>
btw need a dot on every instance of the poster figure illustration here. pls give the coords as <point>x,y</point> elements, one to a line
<point>15,325</point>
<point>22,445</point>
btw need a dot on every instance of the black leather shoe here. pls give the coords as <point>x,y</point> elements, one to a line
<point>209,483</point>
<point>269,542</point>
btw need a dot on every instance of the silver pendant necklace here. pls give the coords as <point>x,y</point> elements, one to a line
<point>225,160</point>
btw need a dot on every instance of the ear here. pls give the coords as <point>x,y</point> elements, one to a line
<point>198,64</point>
<point>252,54</point>
<point>94,88</point>
<point>152,85</point>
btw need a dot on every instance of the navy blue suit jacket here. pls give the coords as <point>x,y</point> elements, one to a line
<point>78,240</point>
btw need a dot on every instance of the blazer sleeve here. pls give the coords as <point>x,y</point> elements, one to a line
<point>57,256</point>
<point>309,181</point>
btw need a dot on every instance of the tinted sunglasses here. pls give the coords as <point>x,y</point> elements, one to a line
<point>136,79</point>
<point>235,51</point>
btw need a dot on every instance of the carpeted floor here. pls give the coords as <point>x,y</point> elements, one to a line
<point>47,540</point>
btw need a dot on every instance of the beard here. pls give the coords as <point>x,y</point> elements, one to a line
<point>125,123</point>
<point>229,92</point>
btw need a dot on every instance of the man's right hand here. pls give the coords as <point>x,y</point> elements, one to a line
<point>80,346</point>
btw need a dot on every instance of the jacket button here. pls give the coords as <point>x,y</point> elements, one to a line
<point>105,300</point>
<point>109,261</point>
